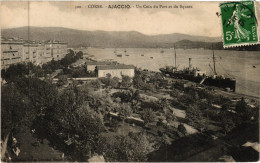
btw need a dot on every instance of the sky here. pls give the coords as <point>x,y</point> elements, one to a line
<point>200,20</point>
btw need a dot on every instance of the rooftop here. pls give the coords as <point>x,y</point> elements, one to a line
<point>55,42</point>
<point>112,67</point>
<point>16,40</point>
<point>100,63</point>
<point>11,40</point>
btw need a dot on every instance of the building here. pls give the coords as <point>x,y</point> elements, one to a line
<point>15,50</point>
<point>116,70</point>
<point>11,51</point>
<point>30,52</point>
<point>91,66</point>
<point>40,54</point>
<point>47,53</point>
<point>58,49</point>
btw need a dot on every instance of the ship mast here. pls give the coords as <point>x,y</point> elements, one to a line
<point>214,60</point>
<point>174,55</point>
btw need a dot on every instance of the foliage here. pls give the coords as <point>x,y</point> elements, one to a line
<point>125,110</point>
<point>194,115</point>
<point>150,104</point>
<point>126,81</point>
<point>148,115</point>
<point>96,84</point>
<point>62,80</point>
<point>15,107</point>
<point>139,82</point>
<point>81,124</point>
<point>170,117</point>
<point>114,123</point>
<point>182,129</point>
<point>187,99</point>
<point>133,147</point>
<point>16,71</point>
<point>127,95</point>
<point>68,59</point>
<point>110,82</point>
<point>166,140</point>
<point>226,121</point>
<point>163,104</point>
<point>245,111</point>
<point>178,85</point>
<point>242,109</point>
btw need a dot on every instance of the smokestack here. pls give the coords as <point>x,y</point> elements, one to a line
<point>189,63</point>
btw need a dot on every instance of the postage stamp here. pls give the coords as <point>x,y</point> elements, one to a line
<point>239,23</point>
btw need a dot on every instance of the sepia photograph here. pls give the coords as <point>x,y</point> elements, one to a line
<point>130,81</point>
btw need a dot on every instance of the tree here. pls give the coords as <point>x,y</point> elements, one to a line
<point>15,107</point>
<point>166,140</point>
<point>128,96</point>
<point>110,82</point>
<point>170,117</point>
<point>79,55</point>
<point>126,81</point>
<point>148,115</point>
<point>226,121</point>
<point>195,117</point>
<point>162,104</point>
<point>133,147</point>
<point>182,129</point>
<point>15,71</point>
<point>78,122</point>
<point>243,109</point>
<point>62,80</point>
<point>114,82</point>
<point>125,110</point>
<point>96,84</point>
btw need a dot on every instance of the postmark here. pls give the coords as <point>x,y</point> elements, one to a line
<point>239,24</point>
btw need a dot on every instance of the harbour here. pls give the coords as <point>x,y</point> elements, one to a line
<point>233,64</point>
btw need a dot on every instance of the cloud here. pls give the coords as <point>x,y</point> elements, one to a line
<point>200,20</point>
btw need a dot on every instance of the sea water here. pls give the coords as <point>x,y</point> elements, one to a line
<point>244,66</point>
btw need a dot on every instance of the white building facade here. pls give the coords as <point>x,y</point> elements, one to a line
<point>116,71</point>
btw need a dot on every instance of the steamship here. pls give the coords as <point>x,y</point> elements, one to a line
<point>198,76</point>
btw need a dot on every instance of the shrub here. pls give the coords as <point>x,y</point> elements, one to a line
<point>182,129</point>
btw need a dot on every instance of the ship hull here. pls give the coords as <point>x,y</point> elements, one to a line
<point>209,81</point>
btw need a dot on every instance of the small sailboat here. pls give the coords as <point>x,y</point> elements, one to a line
<point>162,51</point>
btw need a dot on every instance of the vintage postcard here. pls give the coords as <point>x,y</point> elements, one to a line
<point>130,81</point>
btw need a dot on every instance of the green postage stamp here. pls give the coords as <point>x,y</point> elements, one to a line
<point>239,23</point>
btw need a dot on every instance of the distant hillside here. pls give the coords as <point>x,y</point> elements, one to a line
<point>78,38</point>
<point>187,44</point>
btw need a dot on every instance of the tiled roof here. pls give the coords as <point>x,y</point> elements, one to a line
<point>112,67</point>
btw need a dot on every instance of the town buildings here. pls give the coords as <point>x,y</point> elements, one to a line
<point>15,50</point>
<point>58,49</point>
<point>11,52</point>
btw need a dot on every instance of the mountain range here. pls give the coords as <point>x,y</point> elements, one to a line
<point>118,39</point>
<point>112,39</point>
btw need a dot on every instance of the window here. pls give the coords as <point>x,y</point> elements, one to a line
<point>11,47</point>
